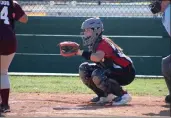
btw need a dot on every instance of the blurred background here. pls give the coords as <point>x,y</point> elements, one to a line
<point>129,23</point>
<point>87,8</point>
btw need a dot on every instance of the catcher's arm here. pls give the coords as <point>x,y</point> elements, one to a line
<point>69,49</point>
<point>95,57</point>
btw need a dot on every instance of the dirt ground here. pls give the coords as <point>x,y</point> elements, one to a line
<point>75,105</point>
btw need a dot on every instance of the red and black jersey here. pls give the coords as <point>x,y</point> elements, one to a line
<point>113,57</point>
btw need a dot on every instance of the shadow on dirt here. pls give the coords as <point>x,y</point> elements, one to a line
<point>167,106</point>
<point>1,115</point>
<point>87,107</point>
<point>57,101</point>
<point>161,113</point>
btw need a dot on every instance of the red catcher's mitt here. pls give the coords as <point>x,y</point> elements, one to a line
<point>68,48</point>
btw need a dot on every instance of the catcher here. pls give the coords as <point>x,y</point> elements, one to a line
<point>110,69</point>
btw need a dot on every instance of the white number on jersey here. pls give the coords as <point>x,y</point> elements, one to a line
<point>4,15</point>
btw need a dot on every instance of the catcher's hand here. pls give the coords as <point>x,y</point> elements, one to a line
<point>68,48</point>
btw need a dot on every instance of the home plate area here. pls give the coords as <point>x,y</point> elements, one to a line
<point>76,105</point>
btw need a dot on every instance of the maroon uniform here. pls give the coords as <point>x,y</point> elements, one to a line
<point>9,13</point>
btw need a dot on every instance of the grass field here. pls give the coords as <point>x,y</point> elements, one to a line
<point>53,84</point>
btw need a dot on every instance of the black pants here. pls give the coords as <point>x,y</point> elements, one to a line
<point>123,76</point>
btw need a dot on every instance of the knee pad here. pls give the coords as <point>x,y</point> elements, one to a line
<point>99,77</point>
<point>111,86</point>
<point>106,84</point>
<point>5,83</point>
<point>99,73</point>
<point>84,73</point>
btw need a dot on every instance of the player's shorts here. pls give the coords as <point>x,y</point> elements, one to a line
<point>8,40</point>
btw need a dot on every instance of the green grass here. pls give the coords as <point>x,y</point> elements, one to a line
<point>51,84</point>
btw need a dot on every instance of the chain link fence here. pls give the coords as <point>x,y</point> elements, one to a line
<point>88,8</point>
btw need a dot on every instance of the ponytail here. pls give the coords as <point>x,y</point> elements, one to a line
<point>111,42</point>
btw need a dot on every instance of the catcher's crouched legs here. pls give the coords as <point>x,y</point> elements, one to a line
<point>85,71</point>
<point>112,87</point>
<point>166,71</point>
<point>106,84</point>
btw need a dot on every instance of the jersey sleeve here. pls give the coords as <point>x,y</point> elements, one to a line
<point>18,11</point>
<point>105,47</point>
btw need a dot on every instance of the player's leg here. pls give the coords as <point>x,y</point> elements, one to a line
<point>126,77</point>
<point>109,86</point>
<point>166,71</point>
<point>8,45</point>
<point>5,61</point>
<point>85,71</point>
<point>108,83</point>
<point>166,62</point>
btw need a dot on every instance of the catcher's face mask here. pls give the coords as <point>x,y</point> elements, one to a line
<point>92,29</point>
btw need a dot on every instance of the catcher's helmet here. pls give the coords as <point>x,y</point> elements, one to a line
<point>97,26</point>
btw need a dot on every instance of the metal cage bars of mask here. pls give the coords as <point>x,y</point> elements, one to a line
<point>84,8</point>
<point>90,41</point>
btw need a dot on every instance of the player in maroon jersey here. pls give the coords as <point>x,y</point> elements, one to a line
<point>10,11</point>
<point>111,68</point>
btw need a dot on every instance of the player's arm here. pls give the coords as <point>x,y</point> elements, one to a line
<point>19,14</point>
<point>23,19</point>
<point>95,57</point>
<point>164,4</point>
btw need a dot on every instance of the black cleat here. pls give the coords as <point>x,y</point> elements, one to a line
<point>168,99</point>
<point>95,99</point>
<point>4,108</point>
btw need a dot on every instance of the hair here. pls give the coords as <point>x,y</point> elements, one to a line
<point>112,42</point>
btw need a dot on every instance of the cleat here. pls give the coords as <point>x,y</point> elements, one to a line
<point>105,100</point>
<point>4,108</point>
<point>95,99</point>
<point>122,100</point>
<point>168,99</point>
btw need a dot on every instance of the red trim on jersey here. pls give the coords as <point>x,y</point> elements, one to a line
<point>122,61</point>
<point>110,52</point>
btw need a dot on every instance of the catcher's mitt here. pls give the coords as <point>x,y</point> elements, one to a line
<point>155,6</point>
<point>68,48</point>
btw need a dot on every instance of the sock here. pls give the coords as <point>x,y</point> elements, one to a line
<point>5,96</point>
